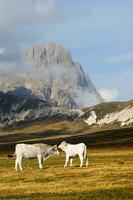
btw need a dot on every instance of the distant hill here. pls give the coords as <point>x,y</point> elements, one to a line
<point>30,120</point>
<point>108,115</point>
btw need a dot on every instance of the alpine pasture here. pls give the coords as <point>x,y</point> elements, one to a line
<point>108,176</point>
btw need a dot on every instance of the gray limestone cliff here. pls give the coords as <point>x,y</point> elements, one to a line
<point>54,77</point>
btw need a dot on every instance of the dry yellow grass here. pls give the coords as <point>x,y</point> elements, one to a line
<point>105,178</point>
<point>46,126</point>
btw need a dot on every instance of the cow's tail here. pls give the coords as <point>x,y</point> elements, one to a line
<point>85,156</point>
<point>11,155</point>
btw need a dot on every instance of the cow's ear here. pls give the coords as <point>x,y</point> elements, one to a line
<point>64,143</point>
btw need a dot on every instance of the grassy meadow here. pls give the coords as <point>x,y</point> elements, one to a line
<point>109,176</point>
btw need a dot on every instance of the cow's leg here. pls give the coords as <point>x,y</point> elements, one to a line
<point>19,162</point>
<point>81,160</point>
<point>86,161</point>
<point>67,159</point>
<point>40,161</point>
<point>71,162</point>
<point>16,163</point>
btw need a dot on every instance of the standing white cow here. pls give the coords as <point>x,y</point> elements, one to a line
<point>73,150</point>
<point>40,150</point>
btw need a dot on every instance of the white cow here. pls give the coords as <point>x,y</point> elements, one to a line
<point>40,150</point>
<point>73,150</point>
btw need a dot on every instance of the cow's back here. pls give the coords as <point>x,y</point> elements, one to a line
<point>75,149</point>
<point>43,148</point>
<point>79,145</point>
<point>27,150</point>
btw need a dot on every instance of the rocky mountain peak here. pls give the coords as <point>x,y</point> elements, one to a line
<point>54,77</point>
<point>49,55</point>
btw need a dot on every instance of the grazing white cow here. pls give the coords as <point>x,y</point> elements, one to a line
<point>40,150</point>
<point>73,150</point>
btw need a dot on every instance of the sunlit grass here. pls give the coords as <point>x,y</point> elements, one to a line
<point>105,178</point>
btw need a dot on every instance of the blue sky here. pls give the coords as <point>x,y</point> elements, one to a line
<point>99,35</point>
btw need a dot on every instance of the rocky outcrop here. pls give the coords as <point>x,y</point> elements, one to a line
<point>49,55</point>
<point>14,109</point>
<point>108,115</point>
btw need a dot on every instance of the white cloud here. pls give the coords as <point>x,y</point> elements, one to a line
<point>17,18</point>
<point>16,13</point>
<point>43,7</point>
<point>7,67</point>
<point>2,51</point>
<point>19,23</point>
<point>109,94</point>
<point>121,58</point>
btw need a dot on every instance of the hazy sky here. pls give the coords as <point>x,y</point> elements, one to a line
<point>98,33</point>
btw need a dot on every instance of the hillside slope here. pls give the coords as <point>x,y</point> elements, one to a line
<point>72,127</point>
<point>107,115</point>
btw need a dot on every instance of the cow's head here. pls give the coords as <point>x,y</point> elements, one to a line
<point>55,151</point>
<point>62,146</point>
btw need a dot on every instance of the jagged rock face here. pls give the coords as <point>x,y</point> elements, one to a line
<point>15,110</point>
<point>55,78</point>
<point>49,55</point>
